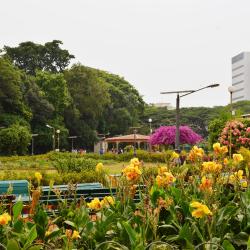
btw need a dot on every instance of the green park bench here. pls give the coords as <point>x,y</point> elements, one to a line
<point>17,189</point>
<point>86,194</point>
<point>47,189</point>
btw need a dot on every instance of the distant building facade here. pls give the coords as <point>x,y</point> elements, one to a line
<point>162,105</point>
<point>241,77</point>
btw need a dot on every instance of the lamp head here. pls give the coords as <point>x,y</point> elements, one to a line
<point>231,89</point>
<point>213,85</point>
<point>48,126</point>
<point>149,120</point>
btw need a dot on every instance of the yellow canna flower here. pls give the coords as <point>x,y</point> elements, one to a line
<point>162,170</point>
<point>206,184</point>
<point>225,161</point>
<point>75,235</point>
<point>132,171</point>
<point>135,162</point>
<point>4,219</point>
<point>216,147</point>
<point>201,210</point>
<point>244,184</point>
<point>107,201</point>
<point>224,149</point>
<point>165,179</point>
<point>211,167</point>
<point>196,154</point>
<point>38,176</point>
<point>240,174</point>
<point>175,155</point>
<point>99,167</point>
<point>95,204</point>
<point>237,158</point>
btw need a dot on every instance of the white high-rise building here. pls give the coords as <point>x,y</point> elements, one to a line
<point>241,77</point>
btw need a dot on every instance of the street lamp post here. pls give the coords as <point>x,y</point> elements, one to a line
<point>72,141</point>
<point>150,127</point>
<point>58,139</point>
<point>53,136</point>
<point>102,138</point>
<point>184,93</point>
<point>32,143</point>
<point>231,89</point>
<point>134,131</point>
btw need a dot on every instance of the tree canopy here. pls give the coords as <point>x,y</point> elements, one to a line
<point>30,56</point>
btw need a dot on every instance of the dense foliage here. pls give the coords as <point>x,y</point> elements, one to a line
<point>197,205</point>
<point>198,118</point>
<point>37,88</point>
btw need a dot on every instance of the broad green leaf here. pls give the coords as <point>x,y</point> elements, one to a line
<point>198,232</point>
<point>70,223</point>
<point>18,226</point>
<point>131,233</point>
<point>31,237</point>
<point>13,245</point>
<point>227,245</point>
<point>35,248</point>
<point>17,209</point>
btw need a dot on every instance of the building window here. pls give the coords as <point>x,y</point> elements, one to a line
<point>238,58</point>
<point>239,67</point>
<point>236,83</point>
<point>237,98</point>
<point>238,90</point>
<point>240,74</point>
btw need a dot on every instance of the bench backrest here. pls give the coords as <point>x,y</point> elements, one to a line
<point>19,187</point>
<point>86,194</point>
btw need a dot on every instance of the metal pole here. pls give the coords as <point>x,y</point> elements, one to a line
<point>32,145</point>
<point>177,132</point>
<point>54,139</point>
<point>230,131</point>
<point>58,141</point>
<point>72,144</point>
<point>134,142</point>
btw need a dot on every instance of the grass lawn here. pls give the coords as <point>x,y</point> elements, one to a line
<point>111,167</point>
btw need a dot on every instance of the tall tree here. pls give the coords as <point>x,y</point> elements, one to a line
<point>30,56</point>
<point>126,104</point>
<point>11,96</point>
<point>90,97</point>
<point>55,90</point>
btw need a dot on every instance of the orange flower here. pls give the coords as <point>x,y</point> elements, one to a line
<point>132,172</point>
<point>4,219</point>
<point>68,233</point>
<point>211,167</point>
<point>196,154</point>
<point>162,170</point>
<point>165,180</point>
<point>225,161</point>
<point>206,184</point>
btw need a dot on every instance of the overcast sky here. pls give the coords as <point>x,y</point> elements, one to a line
<point>157,45</point>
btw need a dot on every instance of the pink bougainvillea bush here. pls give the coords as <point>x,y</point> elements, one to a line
<point>165,135</point>
<point>240,133</point>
